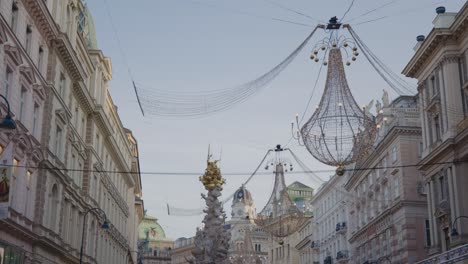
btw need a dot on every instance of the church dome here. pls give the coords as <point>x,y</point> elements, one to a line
<point>87,28</point>
<point>242,195</point>
<point>150,229</point>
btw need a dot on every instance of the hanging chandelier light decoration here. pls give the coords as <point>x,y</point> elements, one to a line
<point>280,217</point>
<point>339,132</point>
<point>334,41</point>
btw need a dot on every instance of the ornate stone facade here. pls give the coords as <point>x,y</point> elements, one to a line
<point>440,65</point>
<point>70,151</point>
<point>246,237</point>
<point>387,205</point>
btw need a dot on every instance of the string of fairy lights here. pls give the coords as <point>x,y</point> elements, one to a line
<point>188,104</point>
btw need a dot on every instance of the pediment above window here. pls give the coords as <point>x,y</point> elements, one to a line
<point>40,92</point>
<point>36,157</point>
<point>13,53</point>
<point>28,74</point>
<point>62,115</point>
<point>23,144</point>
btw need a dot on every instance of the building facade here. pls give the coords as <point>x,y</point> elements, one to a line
<point>288,250</point>
<point>301,195</point>
<point>440,64</point>
<point>70,152</point>
<point>329,226</point>
<point>249,243</point>
<point>304,245</point>
<point>388,217</point>
<point>155,247</point>
<point>182,251</point>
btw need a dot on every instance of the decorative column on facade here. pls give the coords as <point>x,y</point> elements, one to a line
<point>451,194</point>
<point>430,211</point>
<point>450,66</point>
<point>453,173</point>
<point>422,105</point>
<point>434,228</point>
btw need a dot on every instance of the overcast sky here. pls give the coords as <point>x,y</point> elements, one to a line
<point>191,45</point>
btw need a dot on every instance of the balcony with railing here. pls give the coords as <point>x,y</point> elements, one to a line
<point>315,245</point>
<point>454,255</point>
<point>341,228</point>
<point>328,260</point>
<point>342,256</point>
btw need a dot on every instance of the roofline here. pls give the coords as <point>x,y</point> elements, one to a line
<point>427,47</point>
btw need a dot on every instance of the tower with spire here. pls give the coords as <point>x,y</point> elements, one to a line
<point>248,241</point>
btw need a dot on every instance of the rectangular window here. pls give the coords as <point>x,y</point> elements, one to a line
<point>394,153</point>
<point>433,86</point>
<point>97,144</point>
<point>15,167</point>
<point>14,16</point>
<point>35,119</point>
<point>428,233</point>
<point>58,141</point>
<point>40,58</point>
<point>442,188</point>
<point>437,127</point>
<point>62,84</point>
<point>22,109</point>
<point>385,163</point>
<point>73,167</point>
<point>396,187</point>
<point>80,172</point>
<point>28,38</point>
<point>8,81</point>
<point>83,127</point>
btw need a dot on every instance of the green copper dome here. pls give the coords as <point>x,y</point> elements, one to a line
<point>150,229</point>
<point>86,26</point>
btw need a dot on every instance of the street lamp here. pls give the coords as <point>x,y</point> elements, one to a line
<point>104,226</point>
<point>8,122</point>
<point>454,232</point>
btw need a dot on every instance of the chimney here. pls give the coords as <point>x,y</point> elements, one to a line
<point>420,39</point>
<point>443,20</point>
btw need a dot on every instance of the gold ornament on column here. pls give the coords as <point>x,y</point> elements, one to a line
<point>212,177</point>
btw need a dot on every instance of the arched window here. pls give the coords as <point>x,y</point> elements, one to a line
<point>53,207</point>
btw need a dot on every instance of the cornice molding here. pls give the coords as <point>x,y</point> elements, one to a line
<point>42,18</point>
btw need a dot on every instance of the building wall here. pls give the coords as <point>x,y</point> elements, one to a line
<point>68,126</point>
<point>182,251</point>
<point>304,244</point>
<point>388,211</point>
<point>440,66</point>
<point>330,221</point>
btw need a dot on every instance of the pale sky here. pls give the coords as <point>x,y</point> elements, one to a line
<point>191,45</point>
